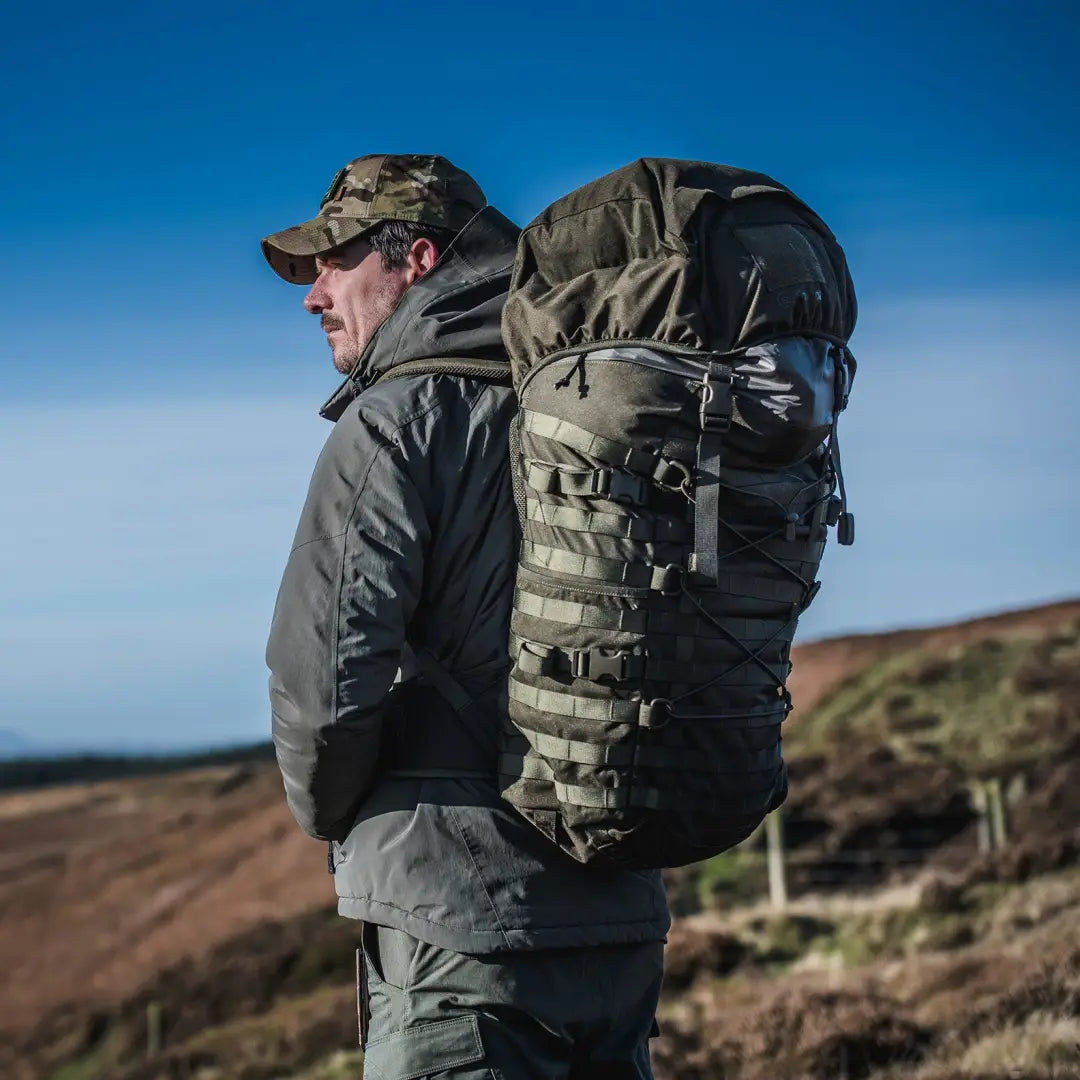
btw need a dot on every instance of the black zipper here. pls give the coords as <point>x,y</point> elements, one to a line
<point>628,591</point>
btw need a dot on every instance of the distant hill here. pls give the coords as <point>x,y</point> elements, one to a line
<point>821,665</point>
<point>12,744</point>
<point>159,888</point>
<point>34,770</point>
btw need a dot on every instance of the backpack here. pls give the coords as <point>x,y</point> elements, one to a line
<point>677,332</point>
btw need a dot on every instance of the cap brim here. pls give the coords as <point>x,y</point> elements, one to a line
<point>291,252</point>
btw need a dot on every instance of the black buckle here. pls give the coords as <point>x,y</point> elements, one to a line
<point>715,409</point>
<point>596,663</point>
<point>619,487</point>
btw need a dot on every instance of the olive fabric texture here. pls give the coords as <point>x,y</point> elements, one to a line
<point>683,254</point>
<point>677,332</point>
<point>403,561</point>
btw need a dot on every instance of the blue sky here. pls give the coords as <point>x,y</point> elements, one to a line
<point>159,387</point>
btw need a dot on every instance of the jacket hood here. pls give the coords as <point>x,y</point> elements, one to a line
<point>453,310</point>
<point>686,255</point>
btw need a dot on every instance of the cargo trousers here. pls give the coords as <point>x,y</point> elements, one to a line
<point>554,1014</point>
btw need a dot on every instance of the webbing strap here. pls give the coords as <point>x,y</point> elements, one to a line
<point>625,620</point>
<point>621,755</point>
<point>574,705</point>
<point>534,768</point>
<point>627,526</point>
<point>666,579</point>
<point>665,471</point>
<point>617,571</point>
<point>679,624</point>
<point>449,689</point>
<point>715,415</point>
<point>758,588</point>
<point>531,767</point>
<point>604,483</point>
<point>538,658</point>
<point>575,614</point>
<point>576,750</point>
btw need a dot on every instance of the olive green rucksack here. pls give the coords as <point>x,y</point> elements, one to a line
<point>678,336</point>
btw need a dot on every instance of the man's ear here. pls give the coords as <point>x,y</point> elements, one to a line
<point>423,255</point>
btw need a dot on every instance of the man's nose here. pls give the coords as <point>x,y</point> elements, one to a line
<point>316,300</point>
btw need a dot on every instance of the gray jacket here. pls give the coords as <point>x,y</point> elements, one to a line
<point>406,545</point>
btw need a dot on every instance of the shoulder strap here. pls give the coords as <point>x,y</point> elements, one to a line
<point>447,687</point>
<point>495,371</point>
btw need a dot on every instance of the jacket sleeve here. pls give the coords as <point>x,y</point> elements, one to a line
<point>349,591</point>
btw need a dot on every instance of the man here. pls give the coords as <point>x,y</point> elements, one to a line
<point>488,952</point>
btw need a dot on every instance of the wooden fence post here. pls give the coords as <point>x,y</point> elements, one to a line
<point>1016,790</point>
<point>774,836</point>
<point>998,825</point>
<point>980,804</point>
<point>153,1028</point>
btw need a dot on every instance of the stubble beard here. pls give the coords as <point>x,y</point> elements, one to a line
<point>381,304</point>
<point>345,357</point>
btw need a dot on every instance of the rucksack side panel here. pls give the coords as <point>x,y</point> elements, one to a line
<point>595,637</point>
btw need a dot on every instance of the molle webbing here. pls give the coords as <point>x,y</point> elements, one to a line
<point>656,602</point>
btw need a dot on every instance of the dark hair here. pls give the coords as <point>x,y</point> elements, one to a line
<point>394,239</point>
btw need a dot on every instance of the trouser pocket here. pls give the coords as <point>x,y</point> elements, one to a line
<point>446,1048</point>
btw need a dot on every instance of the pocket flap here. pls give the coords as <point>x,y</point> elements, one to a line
<point>427,1048</point>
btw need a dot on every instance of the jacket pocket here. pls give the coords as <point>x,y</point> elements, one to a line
<point>446,1047</point>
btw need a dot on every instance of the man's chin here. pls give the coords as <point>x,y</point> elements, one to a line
<point>344,362</point>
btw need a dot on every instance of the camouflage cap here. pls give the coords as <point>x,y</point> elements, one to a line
<point>377,187</point>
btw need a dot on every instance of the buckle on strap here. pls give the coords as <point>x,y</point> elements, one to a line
<point>620,664</point>
<point>620,487</point>
<point>715,411</point>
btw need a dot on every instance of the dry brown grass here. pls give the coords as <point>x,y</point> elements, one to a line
<point>108,889</point>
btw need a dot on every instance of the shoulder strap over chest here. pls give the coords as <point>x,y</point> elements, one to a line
<point>495,371</point>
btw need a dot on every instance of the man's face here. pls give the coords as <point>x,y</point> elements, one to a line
<point>354,294</point>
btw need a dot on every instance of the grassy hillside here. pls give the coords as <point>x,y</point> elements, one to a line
<point>904,953</point>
